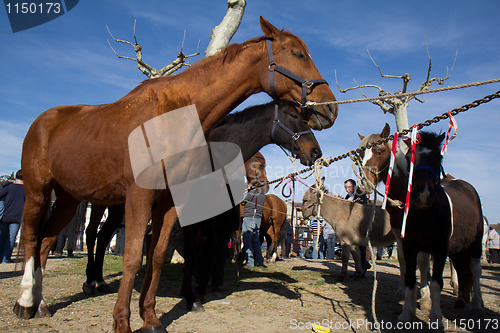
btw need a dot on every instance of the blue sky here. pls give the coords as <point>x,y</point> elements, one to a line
<point>68,61</point>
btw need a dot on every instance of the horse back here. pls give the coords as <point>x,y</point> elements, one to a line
<point>467,217</point>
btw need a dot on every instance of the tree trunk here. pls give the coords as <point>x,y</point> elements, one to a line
<point>222,34</point>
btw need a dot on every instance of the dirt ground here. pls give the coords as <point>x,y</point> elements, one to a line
<point>287,296</point>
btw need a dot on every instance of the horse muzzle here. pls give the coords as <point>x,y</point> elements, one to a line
<point>320,116</point>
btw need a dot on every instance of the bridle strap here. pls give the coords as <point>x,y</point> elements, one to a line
<point>295,135</point>
<point>433,173</point>
<point>306,84</point>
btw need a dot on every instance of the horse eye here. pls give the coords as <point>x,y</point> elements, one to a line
<point>299,55</point>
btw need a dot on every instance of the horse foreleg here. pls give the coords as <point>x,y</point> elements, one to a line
<point>156,259</point>
<point>356,256</point>
<point>402,265</point>
<point>436,287</point>
<point>96,214</point>
<point>190,235</point>
<point>138,212</point>
<point>410,301</point>
<point>424,268</point>
<point>346,253</point>
<point>115,217</point>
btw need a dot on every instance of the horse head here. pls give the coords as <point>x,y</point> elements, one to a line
<point>376,160</point>
<point>426,175</point>
<point>288,73</point>
<point>256,172</point>
<point>291,132</point>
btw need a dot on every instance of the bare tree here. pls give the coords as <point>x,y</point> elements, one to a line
<point>146,69</point>
<point>398,105</point>
<point>220,37</point>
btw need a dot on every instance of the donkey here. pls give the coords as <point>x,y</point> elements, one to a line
<point>351,221</point>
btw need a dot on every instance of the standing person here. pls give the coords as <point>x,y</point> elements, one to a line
<point>288,239</point>
<point>353,194</point>
<point>253,205</point>
<point>317,230</point>
<point>69,234</point>
<point>14,197</point>
<point>494,246</point>
<point>329,241</point>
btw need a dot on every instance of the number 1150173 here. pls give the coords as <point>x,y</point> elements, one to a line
<point>34,8</point>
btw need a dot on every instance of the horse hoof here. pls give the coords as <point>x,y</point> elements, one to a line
<point>43,311</point>
<point>405,317</point>
<point>153,329</point>
<point>89,288</point>
<point>197,307</point>
<point>103,287</point>
<point>24,312</point>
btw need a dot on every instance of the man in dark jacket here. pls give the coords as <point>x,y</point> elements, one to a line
<point>14,197</point>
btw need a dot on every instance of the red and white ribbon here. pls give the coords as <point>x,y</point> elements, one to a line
<point>391,167</point>
<point>413,144</point>
<point>454,125</point>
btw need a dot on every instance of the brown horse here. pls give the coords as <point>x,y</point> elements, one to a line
<point>81,152</point>
<point>273,217</point>
<point>376,163</point>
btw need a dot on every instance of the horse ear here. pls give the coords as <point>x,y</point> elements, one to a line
<point>386,131</point>
<point>269,30</point>
<point>441,137</point>
<point>361,137</point>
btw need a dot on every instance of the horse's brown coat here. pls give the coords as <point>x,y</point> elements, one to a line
<point>81,152</point>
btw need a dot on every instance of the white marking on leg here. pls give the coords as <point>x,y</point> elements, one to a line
<point>31,285</point>
<point>477,298</point>
<point>423,265</point>
<point>410,305</point>
<point>435,314</point>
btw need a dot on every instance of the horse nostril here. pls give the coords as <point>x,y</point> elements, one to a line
<point>316,153</point>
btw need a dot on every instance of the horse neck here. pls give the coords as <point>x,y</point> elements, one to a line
<point>216,86</point>
<point>250,135</point>
<point>399,181</point>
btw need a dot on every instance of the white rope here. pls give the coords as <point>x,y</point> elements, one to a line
<point>414,93</point>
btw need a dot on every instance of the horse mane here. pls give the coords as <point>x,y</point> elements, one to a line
<point>232,50</point>
<point>244,115</point>
<point>431,140</point>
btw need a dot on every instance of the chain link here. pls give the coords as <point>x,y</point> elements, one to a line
<point>436,119</point>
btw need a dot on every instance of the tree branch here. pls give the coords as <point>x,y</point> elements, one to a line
<point>146,69</point>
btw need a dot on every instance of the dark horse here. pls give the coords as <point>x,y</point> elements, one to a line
<point>82,152</point>
<point>465,241</point>
<point>251,129</point>
<point>443,220</point>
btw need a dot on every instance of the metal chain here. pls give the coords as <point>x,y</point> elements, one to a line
<point>327,161</point>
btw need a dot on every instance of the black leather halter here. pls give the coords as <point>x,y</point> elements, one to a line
<point>306,84</point>
<point>295,135</point>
